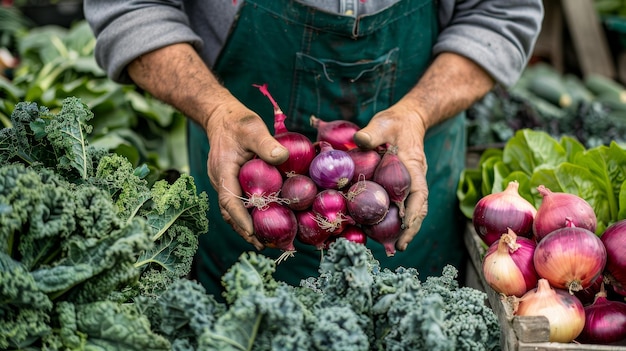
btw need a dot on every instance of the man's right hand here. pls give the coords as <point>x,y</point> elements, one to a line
<point>236,135</point>
<point>176,75</point>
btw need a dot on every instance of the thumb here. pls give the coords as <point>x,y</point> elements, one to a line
<point>269,149</point>
<point>369,137</point>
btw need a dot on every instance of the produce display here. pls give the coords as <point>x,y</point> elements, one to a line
<point>325,188</point>
<point>590,109</point>
<point>552,258</point>
<point>92,258</point>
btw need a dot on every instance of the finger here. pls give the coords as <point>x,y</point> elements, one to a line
<point>232,205</point>
<point>371,136</point>
<point>267,148</point>
<point>412,224</point>
<point>250,238</point>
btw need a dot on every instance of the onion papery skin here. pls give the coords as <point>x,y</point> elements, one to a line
<point>301,153</point>
<point>570,258</point>
<point>387,231</point>
<point>331,210</point>
<point>275,226</point>
<point>331,168</point>
<point>309,232</point>
<point>508,265</point>
<point>495,213</point>
<point>393,175</point>
<point>614,240</point>
<point>565,313</point>
<point>299,191</point>
<point>557,208</point>
<point>605,321</point>
<point>365,162</point>
<point>338,133</point>
<point>368,202</point>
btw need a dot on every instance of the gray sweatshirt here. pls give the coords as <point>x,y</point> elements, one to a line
<point>499,35</point>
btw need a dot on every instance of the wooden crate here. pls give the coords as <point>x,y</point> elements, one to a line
<point>518,333</point>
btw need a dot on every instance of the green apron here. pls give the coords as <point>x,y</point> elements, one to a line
<point>334,67</point>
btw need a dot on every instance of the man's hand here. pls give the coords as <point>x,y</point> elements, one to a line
<point>176,75</point>
<point>405,129</point>
<point>237,134</point>
<point>451,84</point>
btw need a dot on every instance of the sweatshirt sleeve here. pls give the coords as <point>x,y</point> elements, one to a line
<point>498,35</point>
<point>127,29</point>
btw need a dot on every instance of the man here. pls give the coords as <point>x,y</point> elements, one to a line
<point>403,70</point>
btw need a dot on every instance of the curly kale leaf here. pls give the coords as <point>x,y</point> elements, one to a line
<point>22,304</point>
<point>67,133</point>
<point>106,325</point>
<point>38,137</point>
<point>283,326</point>
<point>176,203</point>
<point>441,316</point>
<point>23,141</point>
<point>237,328</point>
<point>87,270</point>
<point>41,214</point>
<point>346,274</point>
<point>182,313</point>
<point>169,260</point>
<point>129,191</point>
<point>338,328</point>
<point>250,274</point>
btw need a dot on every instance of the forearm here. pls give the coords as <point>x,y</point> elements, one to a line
<point>450,85</point>
<point>177,75</point>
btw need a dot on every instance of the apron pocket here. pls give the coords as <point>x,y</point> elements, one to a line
<point>331,89</point>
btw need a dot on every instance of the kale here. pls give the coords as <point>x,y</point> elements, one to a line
<point>352,304</point>
<point>83,235</point>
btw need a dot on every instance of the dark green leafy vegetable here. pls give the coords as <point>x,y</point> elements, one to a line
<point>82,235</point>
<point>352,305</point>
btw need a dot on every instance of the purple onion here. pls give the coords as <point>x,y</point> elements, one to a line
<point>331,169</point>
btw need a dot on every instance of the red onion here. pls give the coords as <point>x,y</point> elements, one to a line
<point>605,321</point>
<point>387,231</point>
<point>275,226</point>
<point>309,232</point>
<point>331,210</point>
<point>301,149</point>
<point>508,265</point>
<point>556,207</point>
<point>495,213</point>
<point>331,168</point>
<point>353,233</point>
<point>570,258</point>
<point>365,162</point>
<point>393,175</point>
<point>614,240</point>
<point>368,202</point>
<point>564,312</point>
<point>260,181</point>
<point>339,133</point>
<point>299,191</point>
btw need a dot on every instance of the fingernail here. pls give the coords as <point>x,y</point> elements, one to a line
<point>404,246</point>
<point>277,151</point>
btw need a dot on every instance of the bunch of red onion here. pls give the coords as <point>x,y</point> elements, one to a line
<point>325,190</point>
<point>563,256</point>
